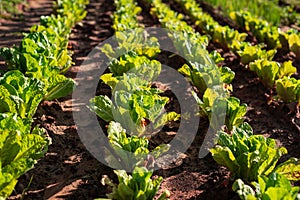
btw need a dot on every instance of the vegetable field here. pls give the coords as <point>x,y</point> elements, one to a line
<point>241,127</point>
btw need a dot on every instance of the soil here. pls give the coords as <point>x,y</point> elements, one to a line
<point>69,171</point>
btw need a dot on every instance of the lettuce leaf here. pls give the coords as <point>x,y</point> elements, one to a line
<point>23,94</point>
<point>247,156</point>
<point>20,149</point>
<point>274,186</point>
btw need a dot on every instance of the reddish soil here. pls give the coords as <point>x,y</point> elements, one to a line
<point>69,171</point>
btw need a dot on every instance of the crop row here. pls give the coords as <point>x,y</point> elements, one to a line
<point>136,109</point>
<point>267,10</point>
<point>9,7</point>
<point>271,73</point>
<point>34,73</point>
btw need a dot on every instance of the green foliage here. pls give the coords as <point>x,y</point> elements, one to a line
<point>132,41</point>
<point>207,102</point>
<point>122,19</point>
<point>252,53</point>
<point>204,75</point>
<point>134,102</point>
<point>234,113</point>
<point>102,106</point>
<point>270,71</point>
<point>267,10</point>
<point>137,186</point>
<point>290,169</point>
<point>201,76</point>
<point>43,53</point>
<point>129,34</point>
<point>129,151</point>
<point>75,10</point>
<point>274,186</point>
<point>223,35</point>
<point>57,30</point>
<point>132,62</point>
<point>181,33</point>
<point>9,7</point>
<point>294,44</point>
<point>34,74</point>
<point>268,34</point>
<point>288,89</point>
<point>211,101</point>
<point>20,149</point>
<point>247,156</point>
<point>20,94</point>
<point>37,57</point>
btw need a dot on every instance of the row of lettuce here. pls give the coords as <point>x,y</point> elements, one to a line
<point>258,58</point>
<point>9,8</point>
<point>135,109</point>
<point>34,73</point>
<point>136,106</point>
<point>275,11</point>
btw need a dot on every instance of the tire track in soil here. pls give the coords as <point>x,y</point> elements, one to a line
<point>68,171</point>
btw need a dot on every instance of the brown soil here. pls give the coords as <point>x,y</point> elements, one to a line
<point>69,171</point>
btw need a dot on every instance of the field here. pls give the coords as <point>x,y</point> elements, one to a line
<point>69,171</point>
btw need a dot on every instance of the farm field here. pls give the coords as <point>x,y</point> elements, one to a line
<point>67,170</point>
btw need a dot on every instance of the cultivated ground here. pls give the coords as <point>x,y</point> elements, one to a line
<point>69,171</point>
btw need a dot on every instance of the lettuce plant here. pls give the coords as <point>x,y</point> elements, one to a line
<point>138,107</point>
<point>133,40</point>
<point>274,186</point>
<point>203,77</point>
<point>270,71</point>
<point>129,151</point>
<point>20,148</point>
<point>20,94</point>
<point>251,53</point>
<point>75,10</point>
<point>294,44</point>
<point>235,111</point>
<point>137,186</point>
<point>132,62</point>
<point>261,29</point>
<point>38,58</point>
<point>288,89</point>
<point>247,156</point>
<point>222,35</point>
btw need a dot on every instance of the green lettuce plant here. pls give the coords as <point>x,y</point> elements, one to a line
<point>252,53</point>
<point>270,71</point>
<point>20,148</point>
<point>136,105</point>
<point>137,186</point>
<point>274,186</point>
<point>20,94</point>
<point>129,151</point>
<point>247,156</point>
<point>288,89</point>
<point>37,57</point>
<point>211,101</point>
